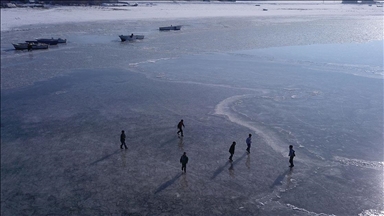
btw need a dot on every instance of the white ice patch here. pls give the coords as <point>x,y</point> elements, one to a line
<point>308,212</point>
<point>148,61</point>
<point>359,163</point>
<point>372,212</point>
<point>224,108</point>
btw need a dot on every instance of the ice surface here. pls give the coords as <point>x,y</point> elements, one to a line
<point>284,77</point>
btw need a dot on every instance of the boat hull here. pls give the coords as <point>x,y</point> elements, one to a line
<point>24,46</point>
<point>129,38</point>
<point>169,28</point>
<point>60,40</point>
<point>48,41</point>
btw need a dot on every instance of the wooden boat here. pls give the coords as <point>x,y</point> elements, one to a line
<point>131,37</point>
<point>44,41</point>
<point>60,40</point>
<point>32,41</point>
<point>48,41</point>
<point>24,46</point>
<point>168,28</point>
<point>51,41</point>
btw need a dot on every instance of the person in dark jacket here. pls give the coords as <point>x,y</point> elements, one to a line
<point>232,150</point>
<point>291,155</point>
<point>122,140</point>
<point>249,142</point>
<point>180,127</point>
<point>184,161</point>
<point>29,47</point>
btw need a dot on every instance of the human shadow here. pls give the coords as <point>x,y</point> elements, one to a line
<point>239,159</point>
<point>221,169</point>
<point>231,169</point>
<point>280,178</point>
<point>104,158</point>
<point>168,141</point>
<point>168,183</point>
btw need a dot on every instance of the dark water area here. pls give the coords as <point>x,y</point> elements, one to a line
<point>315,84</point>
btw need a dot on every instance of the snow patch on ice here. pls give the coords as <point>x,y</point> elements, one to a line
<point>360,163</point>
<point>224,109</point>
<point>147,61</point>
<point>306,211</point>
<point>372,212</point>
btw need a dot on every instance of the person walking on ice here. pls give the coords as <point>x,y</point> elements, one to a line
<point>29,47</point>
<point>180,127</point>
<point>122,140</point>
<point>249,142</point>
<point>232,150</point>
<point>184,161</point>
<point>291,155</point>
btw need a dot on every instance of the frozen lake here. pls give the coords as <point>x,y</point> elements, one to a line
<point>316,84</point>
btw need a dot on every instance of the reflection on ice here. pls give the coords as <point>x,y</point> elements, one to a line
<point>123,154</point>
<point>248,162</point>
<point>181,144</point>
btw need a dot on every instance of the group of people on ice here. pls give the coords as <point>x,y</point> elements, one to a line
<point>248,141</point>
<point>184,158</point>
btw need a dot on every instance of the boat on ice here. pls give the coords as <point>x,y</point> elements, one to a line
<point>60,40</point>
<point>131,37</point>
<point>168,28</point>
<point>49,41</point>
<point>43,41</point>
<point>24,46</point>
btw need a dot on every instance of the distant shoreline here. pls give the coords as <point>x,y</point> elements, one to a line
<point>14,18</point>
<point>11,4</point>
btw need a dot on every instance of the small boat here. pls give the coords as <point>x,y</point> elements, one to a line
<point>168,28</point>
<point>51,41</point>
<point>131,37</point>
<point>48,41</point>
<point>60,40</point>
<point>32,41</point>
<point>24,46</point>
